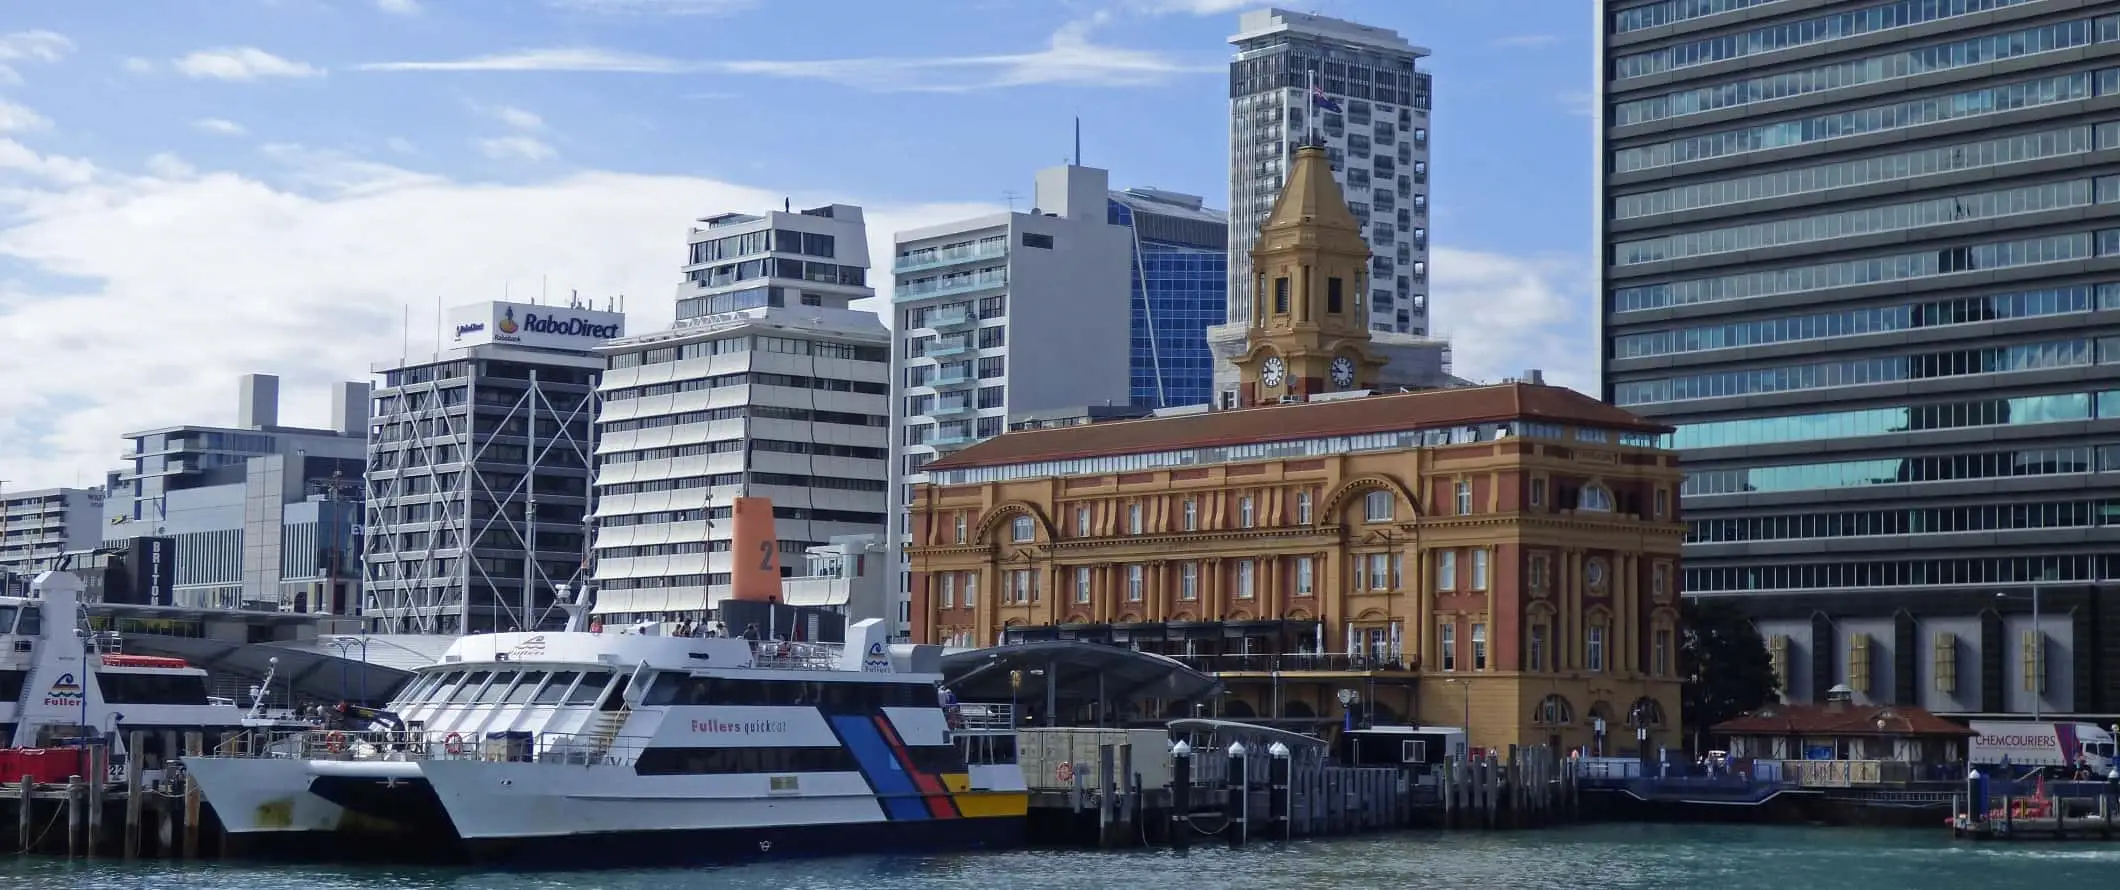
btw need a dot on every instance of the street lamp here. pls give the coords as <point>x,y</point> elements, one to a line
<point>1466,688</point>
<point>1347,699</point>
<point>344,644</point>
<point>2038,655</point>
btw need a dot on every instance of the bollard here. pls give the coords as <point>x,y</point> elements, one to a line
<point>1181,765</point>
<point>1237,803</point>
<point>1281,801</point>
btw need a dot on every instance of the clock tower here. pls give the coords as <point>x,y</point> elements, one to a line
<point>1309,327</point>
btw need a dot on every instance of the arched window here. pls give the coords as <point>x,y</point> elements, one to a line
<point>1378,506</point>
<point>1553,710</point>
<point>1594,499</point>
<point>1645,711</point>
<point>1022,530</point>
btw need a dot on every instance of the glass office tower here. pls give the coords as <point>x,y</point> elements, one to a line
<point>1180,287</point>
<point>1865,256</point>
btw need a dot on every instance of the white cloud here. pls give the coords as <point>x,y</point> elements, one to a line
<point>137,65</point>
<point>654,7</point>
<point>1504,314</point>
<point>242,63</point>
<point>1070,57</point>
<point>515,148</point>
<point>401,145</point>
<point>30,46</point>
<point>313,287</point>
<point>19,158</point>
<point>1197,7</point>
<point>16,118</point>
<point>399,7</point>
<point>219,127</point>
<point>512,116</point>
<point>1527,41</point>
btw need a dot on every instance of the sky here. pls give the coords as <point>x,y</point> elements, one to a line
<point>192,190</point>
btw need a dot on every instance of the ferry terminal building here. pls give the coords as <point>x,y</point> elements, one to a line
<point>1503,558</point>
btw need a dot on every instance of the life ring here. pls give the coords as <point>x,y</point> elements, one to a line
<point>453,744</point>
<point>335,742</point>
<point>1065,772</point>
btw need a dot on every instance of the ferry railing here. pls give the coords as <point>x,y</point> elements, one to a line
<point>982,717</point>
<point>791,655</point>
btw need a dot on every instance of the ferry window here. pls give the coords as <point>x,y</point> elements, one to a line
<point>471,686</point>
<point>590,689</point>
<point>678,689</point>
<point>448,685</point>
<point>7,618</point>
<point>550,695</point>
<point>522,690</point>
<point>705,761</point>
<point>152,689</point>
<point>417,689</point>
<point>11,683</point>
<point>492,692</point>
<point>32,623</point>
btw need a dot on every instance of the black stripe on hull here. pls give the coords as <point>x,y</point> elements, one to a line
<point>727,846</point>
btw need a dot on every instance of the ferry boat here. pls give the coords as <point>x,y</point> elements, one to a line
<point>61,682</point>
<point>626,747</point>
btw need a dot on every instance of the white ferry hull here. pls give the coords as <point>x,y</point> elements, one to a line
<point>263,795</point>
<point>552,815</point>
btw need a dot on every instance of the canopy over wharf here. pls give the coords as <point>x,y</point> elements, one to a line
<point>363,669</point>
<point>1068,683</point>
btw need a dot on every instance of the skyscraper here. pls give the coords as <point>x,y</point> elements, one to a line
<point>1357,89</point>
<point>1864,256</point>
<point>1180,280</point>
<point>478,470</point>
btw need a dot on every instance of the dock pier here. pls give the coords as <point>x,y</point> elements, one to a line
<point>2062,811</point>
<point>1118,789</point>
<point>97,812</point>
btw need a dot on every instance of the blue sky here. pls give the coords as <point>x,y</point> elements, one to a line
<point>193,189</point>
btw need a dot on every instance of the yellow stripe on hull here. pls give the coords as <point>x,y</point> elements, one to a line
<point>990,804</point>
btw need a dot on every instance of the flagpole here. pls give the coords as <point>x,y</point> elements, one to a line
<point>1310,96</point>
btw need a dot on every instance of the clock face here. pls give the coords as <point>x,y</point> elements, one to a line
<point>1272,372</point>
<point>1343,372</point>
<point>1595,573</point>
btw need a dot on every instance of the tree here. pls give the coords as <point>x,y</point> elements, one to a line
<point>1724,662</point>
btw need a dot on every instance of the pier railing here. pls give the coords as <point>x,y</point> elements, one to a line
<point>585,748</point>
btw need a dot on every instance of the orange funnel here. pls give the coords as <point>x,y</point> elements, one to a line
<point>755,552</point>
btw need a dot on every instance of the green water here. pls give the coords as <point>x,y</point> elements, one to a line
<point>1607,856</point>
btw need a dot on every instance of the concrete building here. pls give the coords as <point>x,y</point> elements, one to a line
<point>259,515</point>
<point>1299,78</point>
<point>478,470</point>
<point>1504,555</point>
<point>1865,257</point>
<point>36,525</point>
<point>769,385</point>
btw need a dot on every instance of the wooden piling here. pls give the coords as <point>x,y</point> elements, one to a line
<point>26,817</point>
<point>76,818</point>
<point>194,746</point>
<point>135,743</point>
<point>98,767</point>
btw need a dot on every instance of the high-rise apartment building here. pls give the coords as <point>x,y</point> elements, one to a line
<point>1865,256</point>
<point>769,385</point>
<point>478,470</point>
<point>1094,297</point>
<point>1300,78</point>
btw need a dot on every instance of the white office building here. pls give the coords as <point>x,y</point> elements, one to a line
<point>1373,121</point>
<point>1006,312</point>
<point>36,525</point>
<point>769,385</point>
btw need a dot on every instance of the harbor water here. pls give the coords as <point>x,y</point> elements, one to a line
<point>1603,856</point>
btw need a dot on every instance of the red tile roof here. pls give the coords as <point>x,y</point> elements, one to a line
<point>1306,420</point>
<point>1846,720</point>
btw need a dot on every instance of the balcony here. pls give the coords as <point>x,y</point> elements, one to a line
<point>952,379</point>
<point>955,409</point>
<point>953,442</point>
<point>936,259</point>
<point>990,278</point>
<point>948,346</point>
<point>951,319</point>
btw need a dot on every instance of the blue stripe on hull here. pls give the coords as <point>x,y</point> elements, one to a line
<point>723,846</point>
<point>901,799</point>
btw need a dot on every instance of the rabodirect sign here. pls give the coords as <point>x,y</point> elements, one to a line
<point>525,324</point>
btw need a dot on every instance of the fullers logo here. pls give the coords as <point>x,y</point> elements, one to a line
<point>876,659</point>
<point>530,647</point>
<point>711,726</point>
<point>64,692</point>
<point>551,326</point>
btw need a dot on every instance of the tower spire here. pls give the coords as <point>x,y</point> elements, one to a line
<point>1308,333</point>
